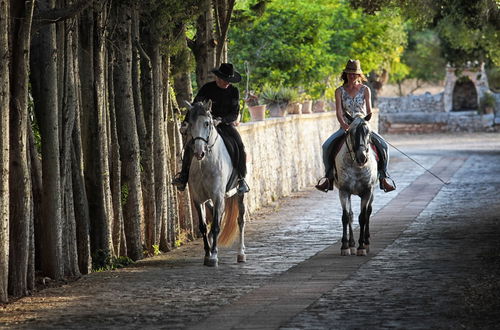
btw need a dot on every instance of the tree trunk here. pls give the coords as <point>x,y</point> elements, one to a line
<point>94,136</point>
<point>19,175</point>
<point>4,149</point>
<point>45,92</point>
<point>204,44</point>
<point>223,10</point>
<point>119,244</point>
<point>127,134</point>
<point>69,108</point>
<point>182,77</point>
<point>82,218</point>
<point>144,111</point>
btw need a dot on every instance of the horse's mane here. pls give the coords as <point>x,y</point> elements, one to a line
<point>198,109</point>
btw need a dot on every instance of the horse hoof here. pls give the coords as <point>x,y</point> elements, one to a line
<point>367,247</point>
<point>211,262</point>
<point>241,258</point>
<point>361,252</point>
<point>345,252</point>
<point>353,251</point>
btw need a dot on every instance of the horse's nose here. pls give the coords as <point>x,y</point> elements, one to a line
<point>362,159</point>
<point>199,155</point>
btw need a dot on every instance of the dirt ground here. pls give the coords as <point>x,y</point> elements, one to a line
<point>454,282</point>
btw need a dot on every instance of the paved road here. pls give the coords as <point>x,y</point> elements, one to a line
<point>434,261</point>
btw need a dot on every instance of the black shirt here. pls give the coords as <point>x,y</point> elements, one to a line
<point>225,102</point>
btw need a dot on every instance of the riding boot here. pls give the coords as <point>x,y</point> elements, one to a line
<point>243,187</point>
<point>181,178</point>
<point>383,155</point>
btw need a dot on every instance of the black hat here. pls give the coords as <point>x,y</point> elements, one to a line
<point>227,73</point>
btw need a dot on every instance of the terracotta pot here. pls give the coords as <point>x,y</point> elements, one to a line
<point>257,112</point>
<point>277,111</point>
<point>319,106</point>
<point>294,108</point>
<point>307,107</point>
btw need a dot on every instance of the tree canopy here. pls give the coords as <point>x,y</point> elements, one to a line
<point>307,43</point>
<point>469,30</point>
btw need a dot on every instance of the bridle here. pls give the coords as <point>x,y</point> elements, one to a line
<point>207,139</point>
<point>350,150</point>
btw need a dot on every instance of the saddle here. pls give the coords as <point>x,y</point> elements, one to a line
<point>234,154</point>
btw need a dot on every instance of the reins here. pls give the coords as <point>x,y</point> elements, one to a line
<point>207,140</point>
<point>413,160</point>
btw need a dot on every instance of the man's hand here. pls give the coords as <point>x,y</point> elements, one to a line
<point>184,127</point>
<point>217,121</point>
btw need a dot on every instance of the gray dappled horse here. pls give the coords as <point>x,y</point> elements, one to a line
<point>356,168</point>
<point>210,176</point>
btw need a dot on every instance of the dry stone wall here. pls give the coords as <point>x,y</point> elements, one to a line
<point>426,113</point>
<point>284,154</point>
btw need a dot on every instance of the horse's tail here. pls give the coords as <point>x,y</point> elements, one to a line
<point>230,222</point>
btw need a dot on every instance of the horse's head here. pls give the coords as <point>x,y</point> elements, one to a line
<point>201,127</point>
<point>358,138</point>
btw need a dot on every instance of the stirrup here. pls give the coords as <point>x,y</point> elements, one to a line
<point>243,187</point>
<point>386,186</point>
<point>323,184</point>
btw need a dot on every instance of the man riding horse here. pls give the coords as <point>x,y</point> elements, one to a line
<point>225,109</point>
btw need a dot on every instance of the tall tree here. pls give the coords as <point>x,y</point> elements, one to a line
<point>4,149</point>
<point>21,14</point>
<point>45,93</point>
<point>203,46</point>
<point>127,132</point>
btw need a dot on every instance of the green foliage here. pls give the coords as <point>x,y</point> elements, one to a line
<point>468,29</point>
<point>422,59</point>
<point>278,95</point>
<point>164,19</point>
<point>494,78</point>
<point>101,261</point>
<point>486,101</point>
<point>124,195</point>
<point>306,43</point>
<point>156,249</point>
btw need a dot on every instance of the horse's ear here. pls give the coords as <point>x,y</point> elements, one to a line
<point>188,105</point>
<point>208,105</point>
<point>368,117</point>
<point>348,117</point>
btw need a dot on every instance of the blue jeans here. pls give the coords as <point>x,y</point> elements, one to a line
<point>377,140</point>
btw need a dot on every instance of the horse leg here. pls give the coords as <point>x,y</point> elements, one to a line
<point>364,216</point>
<point>214,232</point>
<point>200,209</point>
<point>367,225</point>
<point>345,200</point>
<point>241,223</point>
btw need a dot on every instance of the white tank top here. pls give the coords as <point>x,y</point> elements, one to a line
<point>354,105</point>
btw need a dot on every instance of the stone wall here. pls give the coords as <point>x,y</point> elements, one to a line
<point>412,103</point>
<point>426,113</point>
<point>284,154</point>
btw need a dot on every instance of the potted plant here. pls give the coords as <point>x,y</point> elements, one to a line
<point>487,103</point>
<point>306,103</point>
<point>257,111</point>
<point>290,96</point>
<point>276,99</point>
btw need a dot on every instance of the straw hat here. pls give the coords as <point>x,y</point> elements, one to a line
<point>353,66</point>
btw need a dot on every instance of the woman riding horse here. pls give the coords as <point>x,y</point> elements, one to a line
<point>353,98</point>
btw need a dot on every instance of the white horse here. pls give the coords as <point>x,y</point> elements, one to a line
<point>210,175</point>
<point>356,168</point>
